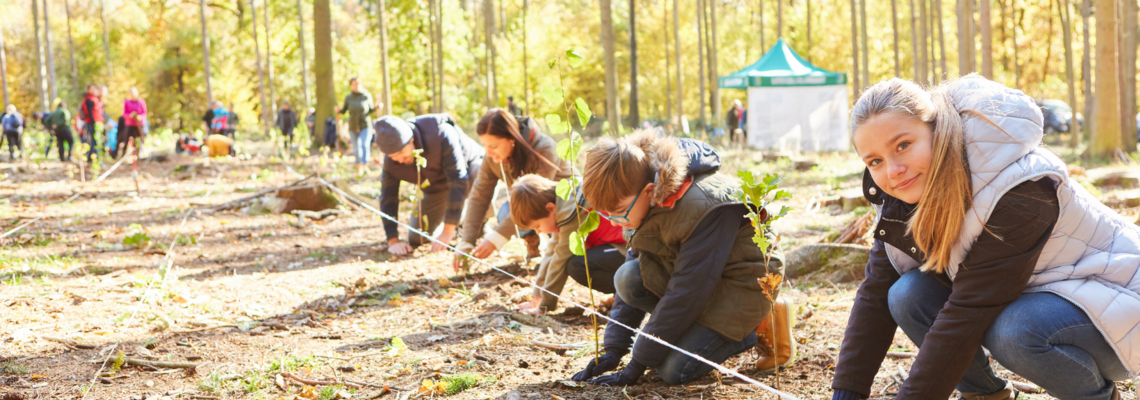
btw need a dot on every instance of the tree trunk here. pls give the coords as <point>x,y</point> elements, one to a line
<point>924,33</point>
<point>668,75</point>
<point>613,109</point>
<point>716,108</point>
<point>489,33</point>
<point>855,75</point>
<point>933,44</point>
<point>865,51</point>
<point>106,37</point>
<point>432,82</point>
<point>1128,56</point>
<point>941,39</point>
<point>71,50</point>
<point>1067,36</point>
<point>4,70</point>
<point>526,75</point>
<point>965,37</point>
<point>269,63</point>
<point>442,103</point>
<point>322,66</point>
<point>1086,75</point>
<point>895,32</point>
<point>634,112</point>
<point>701,77</point>
<point>1016,65</point>
<point>807,4</point>
<point>779,19</point>
<point>305,56</point>
<point>677,53</point>
<point>50,53</point>
<point>206,51</point>
<point>987,39</point>
<point>1106,138</point>
<point>1004,35</point>
<point>41,82</point>
<point>1048,39</point>
<point>914,44</point>
<point>260,76</point>
<point>763,43</point>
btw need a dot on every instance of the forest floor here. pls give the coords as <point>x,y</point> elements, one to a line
<point>252,300</point>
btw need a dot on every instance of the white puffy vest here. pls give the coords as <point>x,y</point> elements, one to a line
<point>1092,257</point>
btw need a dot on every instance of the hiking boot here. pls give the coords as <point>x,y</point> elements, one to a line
<point>1008,393</point>
<point>775,344</point>
<point>532,243</point>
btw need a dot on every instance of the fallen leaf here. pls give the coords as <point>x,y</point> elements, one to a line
<point>572,384</point>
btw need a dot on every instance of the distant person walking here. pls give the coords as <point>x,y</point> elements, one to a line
<point>287,121</point>
<point>734,121</point>
<point>208,118</point>
<point>359,106</point>
<point>514,108</point>
<point>233,122</point>
<point>219,124</point>
<point>92,115</point>
<point>59,122</point>
<point>13,124</point>
<point>134,118</point>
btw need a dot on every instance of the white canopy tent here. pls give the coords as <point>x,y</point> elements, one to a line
<point>792,105</point>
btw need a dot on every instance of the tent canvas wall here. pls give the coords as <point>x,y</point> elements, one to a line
<point>793,105</point>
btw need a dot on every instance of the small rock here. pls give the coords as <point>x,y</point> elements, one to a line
<point>524,364</point>
<point>149,383</point>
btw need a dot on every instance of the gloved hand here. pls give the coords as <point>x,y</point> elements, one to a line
<point>606,363</point>
<point>626,377</point>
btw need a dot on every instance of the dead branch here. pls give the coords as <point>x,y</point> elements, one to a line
<point>555,346</point>
<point>1025,387</point>
<point>320,383</point>
<point>159,364</point>
<point>205,328</point>
<point>901,354</point>
<point>239,202</point>
<point>69,342</point>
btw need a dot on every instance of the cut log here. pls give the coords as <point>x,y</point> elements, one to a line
<point>307,197</point>
<point>837,263</point>
<point>1124,179</point>
<point>805,165</point>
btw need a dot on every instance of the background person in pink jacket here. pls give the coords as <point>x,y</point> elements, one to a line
<point>134,117</point>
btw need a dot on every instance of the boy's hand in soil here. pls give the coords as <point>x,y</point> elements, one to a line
<point>443,238</point>
<point>459,259</point>
<point>626,377</point>
<point>398,247</point>
<point>606,363</point>
<point>532,307</point>
<point>483,250</point>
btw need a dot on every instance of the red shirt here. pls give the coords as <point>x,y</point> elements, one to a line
<point>605,234</point>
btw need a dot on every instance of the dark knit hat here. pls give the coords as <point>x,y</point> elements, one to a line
<point>392,133</point>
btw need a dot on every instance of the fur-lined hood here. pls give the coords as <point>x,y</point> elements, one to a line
<point>674,159</point>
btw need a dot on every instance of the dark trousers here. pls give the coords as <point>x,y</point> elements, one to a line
<point>434,207</point>
<point>288,133</point>
<point>63,136</point>
<point>90,139</point>
<point>14,141</point>
<point>604,263</point>
<point>128,134</point>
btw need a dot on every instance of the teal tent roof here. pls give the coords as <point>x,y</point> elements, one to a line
<point>781,66</point>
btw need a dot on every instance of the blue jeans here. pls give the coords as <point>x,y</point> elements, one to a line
<point>679,368</point>
<point>91,140</point>
<point>1040,336</point>
<point>362,145</point>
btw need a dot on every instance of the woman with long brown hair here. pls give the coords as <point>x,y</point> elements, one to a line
<point>982,239</point>
<point>515,147</point>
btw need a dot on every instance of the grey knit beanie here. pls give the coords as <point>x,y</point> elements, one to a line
<point>392,133</point>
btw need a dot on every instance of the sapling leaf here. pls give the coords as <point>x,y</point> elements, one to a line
<point>554,123</point>
<point>584,112</point>
<point>573,57</point>
<point>747,177</point>
<point>589,225</point>
<point>568,148</point>
<point>577,245</point>
<point>783,194</point>
<point>564,189</point>
<point>553,95</point>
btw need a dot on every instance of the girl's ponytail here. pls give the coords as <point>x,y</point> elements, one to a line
<point>937,221</point>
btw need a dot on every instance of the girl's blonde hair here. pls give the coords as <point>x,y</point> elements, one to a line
<point>937,220</point>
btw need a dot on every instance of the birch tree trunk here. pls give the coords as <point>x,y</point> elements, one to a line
<point>526,75</point>
<point>807,4</point>
<point>71,50</point>
<point>779,19</point>
<point>613,109</point>
<point>987,38</point>
<point>895,31</point>
<point>763,43</point>
<point>106,37</point>
<point>965,37</point>
<point>206,50</point>
<point>713,81</point>
<point>677,53</point>
<point>924,31</point>
<point>914,44</point>
<point>322,66</point>
<point>668,76</point>
<point>269,63</point>
<point>863,31</point>
<point>1067,36</point>
<point>1128,69</point>
<point>701,77</point>
<point>441,103</point>
<point>941,39</point>
<point>3,70</point>
<point>1086,74</point>
<point>41,82</point>
<point>52,83</point>
<point>305,56</point>
<point>1107,137</point>
<point>634,112</point>
<point>1016,64</point>
<point>489,33</point>
<point>855,75</point>
<point>260,74</point>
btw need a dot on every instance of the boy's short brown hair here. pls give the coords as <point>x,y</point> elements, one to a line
<point>529,196</point>
<point>617,169</point>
